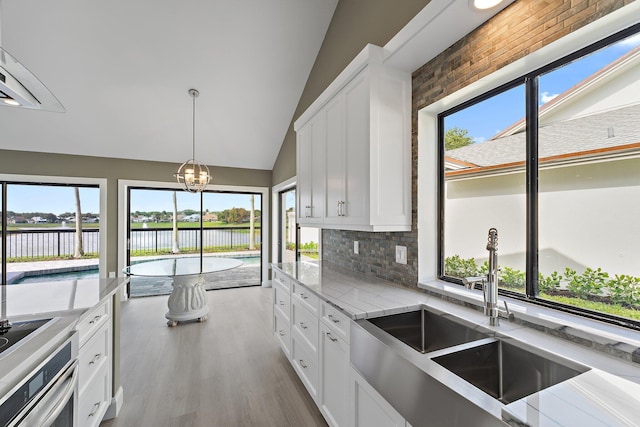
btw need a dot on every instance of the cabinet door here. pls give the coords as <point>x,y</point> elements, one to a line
<point>335,161</point>
<point>334,374</point>
<point>357,142</point>
<point>369,409</point>
<point>310,171</point>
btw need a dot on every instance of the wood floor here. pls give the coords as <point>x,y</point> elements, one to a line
<point>225,372</point>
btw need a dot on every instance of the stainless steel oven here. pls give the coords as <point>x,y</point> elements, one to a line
<point>48,394</point>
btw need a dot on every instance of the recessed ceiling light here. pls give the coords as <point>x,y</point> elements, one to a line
<point>484,4</point>
<point>11,101</point>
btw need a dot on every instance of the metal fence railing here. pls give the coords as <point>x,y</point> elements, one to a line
<point>48,243</point>
<point>213,239</point>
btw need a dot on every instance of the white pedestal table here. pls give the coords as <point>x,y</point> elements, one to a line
<point>188,299</point>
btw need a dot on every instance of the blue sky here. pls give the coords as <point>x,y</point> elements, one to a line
<point>493,115</point>
<point>52,199</point>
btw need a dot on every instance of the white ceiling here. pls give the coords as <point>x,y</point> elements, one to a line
<point>122,69</point>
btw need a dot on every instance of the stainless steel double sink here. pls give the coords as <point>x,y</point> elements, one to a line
<point>502,368</point>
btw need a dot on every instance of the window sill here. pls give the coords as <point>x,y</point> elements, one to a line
<point>599,336</point>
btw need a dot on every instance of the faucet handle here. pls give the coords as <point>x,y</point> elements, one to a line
<point>506,313</point>
<point>470,282</point>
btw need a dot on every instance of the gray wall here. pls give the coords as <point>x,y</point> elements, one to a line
<point>29,163</point>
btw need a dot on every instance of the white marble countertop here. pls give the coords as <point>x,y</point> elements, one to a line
<point>65,302</point>
<point>607,395</point>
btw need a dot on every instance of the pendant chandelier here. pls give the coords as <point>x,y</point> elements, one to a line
<point>192,175</point>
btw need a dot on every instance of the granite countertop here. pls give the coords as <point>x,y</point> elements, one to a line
<point>607,395</point>
<point>65,302</point>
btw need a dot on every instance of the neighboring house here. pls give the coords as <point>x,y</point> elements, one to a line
<point>191,218</point>
<point>38,220</point>
<point>589,159</point>
<point>210,217</point>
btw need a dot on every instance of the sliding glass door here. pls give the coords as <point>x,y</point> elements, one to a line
<point>169,223</point>
<point>295,243</point>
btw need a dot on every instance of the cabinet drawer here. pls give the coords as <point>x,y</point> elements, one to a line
<point>282,300</point>
<point>305,362</point>
<point>93,320</point>
<point>95,353</point>
<point>94,399</point>
<point>282,331</point>
<point>281,278</point>
<point>306,297</point>
<point>336,320</point>
<point>305,323</point>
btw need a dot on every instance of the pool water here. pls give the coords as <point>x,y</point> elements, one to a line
<point>59,277</point>
<point>94,273</point>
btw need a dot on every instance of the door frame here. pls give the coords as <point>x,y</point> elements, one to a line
<point>123,209</point>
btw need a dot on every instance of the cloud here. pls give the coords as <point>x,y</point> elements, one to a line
<point>546,97</point>
<point>479,139</point>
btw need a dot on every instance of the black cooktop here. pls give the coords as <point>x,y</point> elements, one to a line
<point>18,331</point>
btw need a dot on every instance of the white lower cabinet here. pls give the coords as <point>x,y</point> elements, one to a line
<point>369,408</point>
<point>95,398</point>
<point>334,377</point>
<point>305,362</point>
<point>315,336</point>
<point>94,371</point>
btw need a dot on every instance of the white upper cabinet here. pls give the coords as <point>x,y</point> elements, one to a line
<point>310,170</point>
<point>362,153</point>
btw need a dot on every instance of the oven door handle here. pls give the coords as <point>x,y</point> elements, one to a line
<point>57,398</point>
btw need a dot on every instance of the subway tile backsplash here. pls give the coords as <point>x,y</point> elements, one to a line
<point>377,254</point>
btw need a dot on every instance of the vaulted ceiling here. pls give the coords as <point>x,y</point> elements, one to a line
<point>122,70</point>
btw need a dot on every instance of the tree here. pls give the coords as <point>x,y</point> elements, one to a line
<point>456,138</point>
<point>175,249</point>
<point>79,250</point>
<point>252,228</point>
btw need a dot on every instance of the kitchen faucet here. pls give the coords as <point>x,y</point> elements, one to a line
<point>490,283</point>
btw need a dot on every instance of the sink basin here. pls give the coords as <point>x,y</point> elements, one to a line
<point>508,372</point>
<point>426,331</point>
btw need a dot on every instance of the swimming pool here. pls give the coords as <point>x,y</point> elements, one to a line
<point>94,273</point>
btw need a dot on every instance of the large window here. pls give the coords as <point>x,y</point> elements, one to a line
<point>51,232</point>
<point>552,160</point>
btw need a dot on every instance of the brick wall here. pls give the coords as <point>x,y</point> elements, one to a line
<point>523,27</point>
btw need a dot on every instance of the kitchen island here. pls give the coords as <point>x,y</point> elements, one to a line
<point>82,306</point>
<point>605,393</point>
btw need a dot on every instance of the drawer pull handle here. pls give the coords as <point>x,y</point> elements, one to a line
<point>95,358</point>
<point>331,338</point>
<point>281,332</point>
<point>303,326</point>
<point>95,410</point>
<point>282,303</point>
<point>95,319</point>
<point>302,364</point>
<point>332,319</point>
<point>303,296</point>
